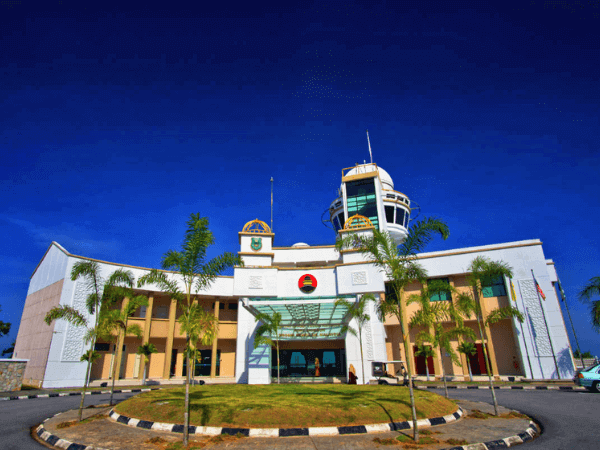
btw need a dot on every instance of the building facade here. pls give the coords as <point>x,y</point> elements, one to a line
<point>302,284</point>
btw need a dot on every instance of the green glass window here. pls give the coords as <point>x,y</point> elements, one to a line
<point>362,200</point>
<point>494,288</point>
<point>441,296</point>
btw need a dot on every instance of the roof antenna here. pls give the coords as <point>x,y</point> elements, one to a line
<point>271,204</point>
<point>369,141</point>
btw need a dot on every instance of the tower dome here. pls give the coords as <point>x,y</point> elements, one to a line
<point>385,177</point>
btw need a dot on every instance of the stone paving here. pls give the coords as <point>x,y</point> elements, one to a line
<point>104,433</point>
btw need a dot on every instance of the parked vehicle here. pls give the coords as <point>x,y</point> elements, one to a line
<point>589,378</point>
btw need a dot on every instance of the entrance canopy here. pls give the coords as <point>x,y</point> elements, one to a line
<point>304,317</point>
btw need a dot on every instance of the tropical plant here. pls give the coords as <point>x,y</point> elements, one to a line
<point>578,354</point>
<point>399,265</point>
<point>113,325</point>
<point>4,327</point>
<point>591,289</point>
<point>469,349</point>
<point>356,311</point>
<point>482,272</point>
<point>431,316</point>
<point>202,328</point>
<point>268,333</point>
<point>91,356</point>
<point>89,272</point>
<point>8,351</point>
<point>146,350</point>
<point>196,274</point>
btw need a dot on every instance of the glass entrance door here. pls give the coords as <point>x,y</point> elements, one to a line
<point>309,363</point>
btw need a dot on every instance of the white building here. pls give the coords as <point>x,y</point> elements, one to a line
<point>302,283</point>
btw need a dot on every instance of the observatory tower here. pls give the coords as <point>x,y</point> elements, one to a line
<point>368,191</point>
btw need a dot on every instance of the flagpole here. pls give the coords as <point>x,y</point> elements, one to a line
<point>271,204</point>
<point>369,141</point>
<point>546,323</point>
<point>514,294</point>
<point>564,299</point>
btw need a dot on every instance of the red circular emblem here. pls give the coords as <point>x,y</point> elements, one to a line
<point>307,283</point>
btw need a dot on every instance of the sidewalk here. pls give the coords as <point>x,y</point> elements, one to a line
<point>100,432</point>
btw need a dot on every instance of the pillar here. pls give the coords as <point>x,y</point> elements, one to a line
<point>147,325</point>
<point>120,340</point>
<point>170,336</point>
<point>213,360</point>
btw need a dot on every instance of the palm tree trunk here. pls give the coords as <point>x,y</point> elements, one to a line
<point>443,373</point>
<point>87,380</point>
<point>278,362</point>
<point>408,366</point>
<point>427,368</point>
<point>362,360</point>
<point>469,366</point>
<point>114,370</point>
<point>487,366</point>
<point>186,412</point>
<point>145,372</point>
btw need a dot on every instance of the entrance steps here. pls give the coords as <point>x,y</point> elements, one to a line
<point>309,380</point>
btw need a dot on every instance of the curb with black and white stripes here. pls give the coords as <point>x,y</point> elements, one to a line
<point>527,388</point>
<point>70,394</point>
<point>529,434</point>
<point>285,432</point>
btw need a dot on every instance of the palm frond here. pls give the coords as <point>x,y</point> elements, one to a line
<point>595,315</point>
<point>504,313</point>
<point>209,271</point>
<point>68,313</point>
<point>90,355</point>
<point>483,271</point>
<point>468,348</point>
<point>147,349</point>
<point>420,234</point>
<point>173,260</point>
<point>591,289</point>
<point>162,281</point>
<point>136,330</point>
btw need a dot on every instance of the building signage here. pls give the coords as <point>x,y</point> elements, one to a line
<point>256,244</point>
<point>307,283</point>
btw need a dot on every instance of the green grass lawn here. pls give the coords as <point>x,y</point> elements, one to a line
<point>284,406</point>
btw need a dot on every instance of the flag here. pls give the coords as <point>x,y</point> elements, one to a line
<point>512,291</point>
<point>539,289</point>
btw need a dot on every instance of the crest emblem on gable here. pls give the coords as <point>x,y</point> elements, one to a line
<point>256,244</point>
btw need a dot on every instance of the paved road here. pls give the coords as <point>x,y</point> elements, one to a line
<point>570,419</point>
<point>18,416</point>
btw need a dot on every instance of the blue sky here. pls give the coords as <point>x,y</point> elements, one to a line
<point>116,124</point>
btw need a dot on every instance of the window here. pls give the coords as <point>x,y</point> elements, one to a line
<point>361,199</point>
<point>336,223</point>
<point>440,296</point>
<point>233,306</point>
<point>389,292</point>
<point>400,216</point>
<point>493,288</point>
<point>102,347</point>
<point>389,214</point>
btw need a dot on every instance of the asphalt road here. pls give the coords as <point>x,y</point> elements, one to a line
<point>570,419</point>
<point>18,416</point>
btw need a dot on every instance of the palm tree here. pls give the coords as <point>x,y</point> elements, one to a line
<point>114,323</point>
<point>591,289</point>
<point>201,327</point>
<point>197,274</point>
<point>469,349</point>
<point>399,265</point>
<point>356,311</point>
<point>89,271</point>
<point>146,350</point>
<point>268,333</point>
<point>431,315</point>
<point>482,272</point>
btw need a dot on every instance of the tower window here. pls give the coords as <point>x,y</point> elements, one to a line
<point>361,199</point>
<point>389,214</point>
<point>400,216</point>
